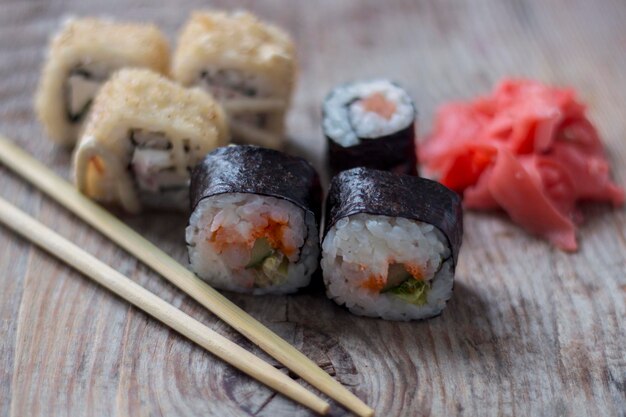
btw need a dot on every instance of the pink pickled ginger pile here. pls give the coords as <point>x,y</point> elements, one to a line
<point>528,149</point>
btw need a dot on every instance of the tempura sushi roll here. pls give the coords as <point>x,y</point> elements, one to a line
<point>370,124</point>
<point>144,135</point>
<point>254,225</point>
<point>391,244</point>
<point>248,65</point>
<point>82,56</point>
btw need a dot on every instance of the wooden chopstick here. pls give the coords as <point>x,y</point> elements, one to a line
<point>135,294</point>
<point>47,181</point>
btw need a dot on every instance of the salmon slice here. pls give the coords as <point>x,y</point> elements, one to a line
<point>378,103</point>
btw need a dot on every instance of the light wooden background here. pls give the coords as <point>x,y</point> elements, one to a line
<point>529,331</point>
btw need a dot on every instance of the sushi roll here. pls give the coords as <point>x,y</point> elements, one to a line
<point>370,124</point>
<point>248,65</point>
<point>81,57</point>
<point>254,221</point>
<point>143,136</point>
<point>390,244</point>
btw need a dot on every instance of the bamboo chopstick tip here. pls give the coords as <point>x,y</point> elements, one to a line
<point>324,409</point>
<point>314,402</point>
<point>366,412</point>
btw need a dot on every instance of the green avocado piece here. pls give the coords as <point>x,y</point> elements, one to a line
<point>276,266</point>
<point>283,268</point>
<point>261,250</point>
<point>412,291</point>
<point>272,271</point>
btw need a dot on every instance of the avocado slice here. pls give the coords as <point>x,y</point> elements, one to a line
<point>261,250</point>
<point>272,271</point>
<point>276,266</point>
<point>271,266</point>
<point>412,291</point>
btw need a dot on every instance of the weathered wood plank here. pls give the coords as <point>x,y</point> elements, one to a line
<point>530,330</point>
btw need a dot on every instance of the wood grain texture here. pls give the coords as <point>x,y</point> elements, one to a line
<point>529,331</point>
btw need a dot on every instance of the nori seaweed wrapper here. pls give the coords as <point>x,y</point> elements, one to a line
<point>395,153</point>
<point>256,170</point>
<point>362,190</point>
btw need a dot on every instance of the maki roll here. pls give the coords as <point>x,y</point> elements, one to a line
<point>142,139</point>
<point>254,221</point>
<point>81,57</point>
<point>246,64</point>
<point>370,124</point>
<point>390,244</point>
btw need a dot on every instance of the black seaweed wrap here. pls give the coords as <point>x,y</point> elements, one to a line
<point>395,153</point>
<point>362,190</point>
<point>257,170</point>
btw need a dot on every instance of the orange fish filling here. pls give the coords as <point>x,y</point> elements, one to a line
<point>378,103</point>
<point>374,283</point>
<point>415,271</point>
<point>273,232</point>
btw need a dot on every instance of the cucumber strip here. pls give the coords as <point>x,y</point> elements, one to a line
<point>412,291</point>
<point>261,250</point>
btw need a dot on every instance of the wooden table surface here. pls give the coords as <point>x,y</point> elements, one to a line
<point>529,330</point>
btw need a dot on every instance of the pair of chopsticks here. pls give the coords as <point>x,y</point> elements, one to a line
<point>135,294</point>
<point>47,181</point>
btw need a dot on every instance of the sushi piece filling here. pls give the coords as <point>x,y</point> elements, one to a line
<point>406,282</point>
<point>271,266</point>
<point>81,86</point>
<point>405,285</point>
<point>159,178</point>
<point>267,250</point>
<point>230,84</point>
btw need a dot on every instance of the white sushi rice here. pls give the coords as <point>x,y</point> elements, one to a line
<point>363,245</point>
<point>242,212</point>
<point>346,121</point>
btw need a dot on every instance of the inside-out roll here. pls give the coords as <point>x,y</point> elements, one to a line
<point>390,244</point>
<point>254,221</point>
<point>370,124</point>
<point>142,139</point>
<point>81,57</point>
<point>246,64</point>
